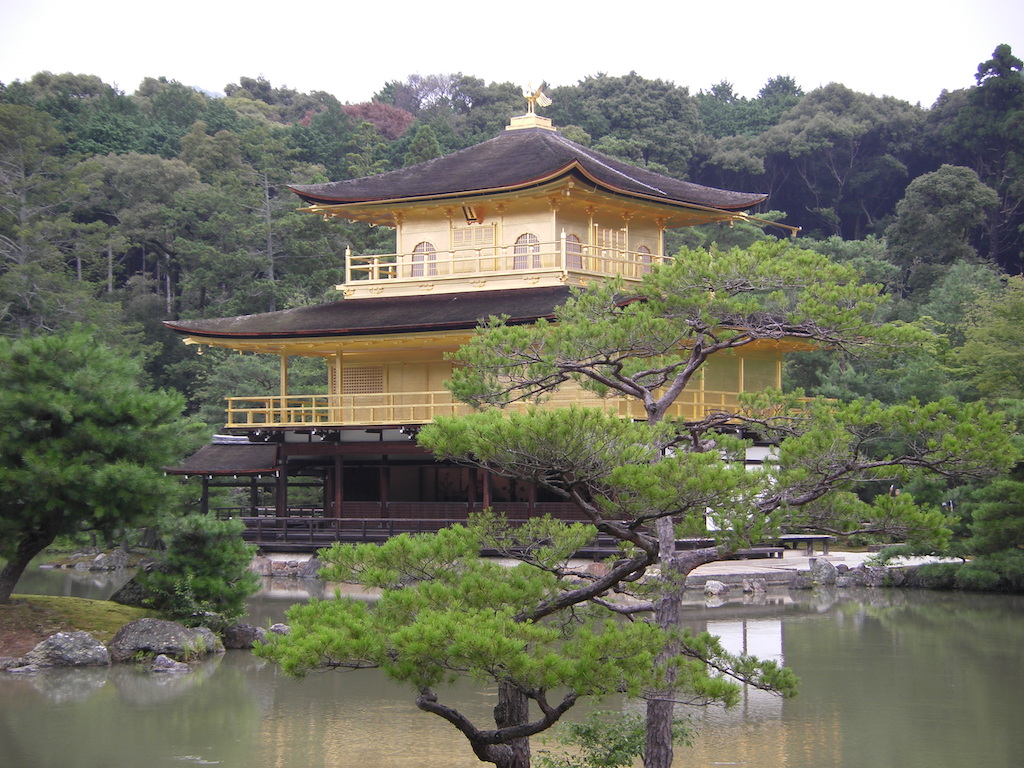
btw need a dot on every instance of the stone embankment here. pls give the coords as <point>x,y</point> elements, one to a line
<point>162,646</point>
<point>276,565</point>
<point>794,571</point>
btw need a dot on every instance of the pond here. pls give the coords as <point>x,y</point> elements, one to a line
<point>888,678</point>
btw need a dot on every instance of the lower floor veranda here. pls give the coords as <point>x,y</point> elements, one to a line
<point>305,492</point>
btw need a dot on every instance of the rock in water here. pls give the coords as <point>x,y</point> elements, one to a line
<point>715,588</point>
<point>147,638</point>
<point>164,664</point>
<point>69,649</point>
<point>824,572</point>
<point>243,636</point>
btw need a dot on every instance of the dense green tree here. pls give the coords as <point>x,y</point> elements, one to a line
<point>461,110</point>
<point>250,171</point>
<point>654,122</point>
<point>838,161</point>
<point>778,95</point>
<point>39,239</point>
<point>870,257</point>
<point>935,221</point>
<point>980,128</point>
<point>368,157</point>
<point>490,107</point>
<point>211,155</point>
<point>167,109</point>
<point>82,447</point>
<point>964,284</point>
<point>280,104</point>
<point>32,179</point>
<point>202,577</point>
<point>325,139</point>
<point>998,517</point>
<point>423,147</point>
<point>95,117</point>
<point>145,197</point>
<point>992,356</point>
<point>723,112</point>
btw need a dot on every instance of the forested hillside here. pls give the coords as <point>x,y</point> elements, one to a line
<point>121,210</point>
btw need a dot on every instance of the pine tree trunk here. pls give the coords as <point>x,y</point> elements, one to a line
<point>660,703</point>
<point>513,708</point>
<point>675,567</point>
<point>31,545</point>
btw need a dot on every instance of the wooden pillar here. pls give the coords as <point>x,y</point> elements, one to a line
<point>471,500</point>
<point>284,416</point>
<point>326,493</point>
<point>281,491</point>
<point>487,489</point>
<point>254,496</point>
<point>385,479</point>
<point>204,499</point>
<point>339,484</point>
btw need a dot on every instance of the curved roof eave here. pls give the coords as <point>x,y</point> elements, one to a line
<point>517,161</point>
<point>566,170</point>
<point>434,196</point>
<point>380,315</point>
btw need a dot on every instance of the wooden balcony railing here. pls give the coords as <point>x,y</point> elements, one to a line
<point>535,259</point>
<point>411,408</point>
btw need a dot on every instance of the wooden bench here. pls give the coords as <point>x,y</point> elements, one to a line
<point>807,540</point>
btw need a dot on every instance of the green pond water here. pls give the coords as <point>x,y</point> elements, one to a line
<point>888,678</point>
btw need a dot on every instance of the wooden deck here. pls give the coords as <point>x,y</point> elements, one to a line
<point>308,534</point>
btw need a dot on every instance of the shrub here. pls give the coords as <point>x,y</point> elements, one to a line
<point>997,572</point>
<point>203,577</point>
<point>934,576</point>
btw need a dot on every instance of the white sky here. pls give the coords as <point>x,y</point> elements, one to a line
<point>911,49</point>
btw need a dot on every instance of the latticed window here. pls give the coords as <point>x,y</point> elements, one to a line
<point>473,237</point>
<point>573,252</point>
<point>609,239</point>
<point>362,379</point>
<point>525,245</point>
<point>424,252</point>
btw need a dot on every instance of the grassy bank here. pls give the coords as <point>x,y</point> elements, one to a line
<point>28,619</point>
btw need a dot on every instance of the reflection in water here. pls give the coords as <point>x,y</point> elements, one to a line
<point>889,678</point>
<point>67,582</point>
<point>346,718</point>
<point>130,718</point>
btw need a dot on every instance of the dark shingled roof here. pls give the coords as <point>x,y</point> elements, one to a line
<point>514,160</point>
<point>398,314</point>
<point>230,459</point>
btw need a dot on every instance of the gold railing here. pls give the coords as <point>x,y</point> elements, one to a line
<point>558,256</point>
<point>409,408</point>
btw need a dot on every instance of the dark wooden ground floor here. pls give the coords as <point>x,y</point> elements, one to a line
<point>304,494</point>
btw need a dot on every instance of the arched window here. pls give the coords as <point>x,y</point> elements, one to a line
<point>573,252</point>
<point>424,252</point>
<point>525,245</point>
<point>645,258</point>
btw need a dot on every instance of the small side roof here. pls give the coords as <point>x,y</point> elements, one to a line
<point>517,160</point>
<point>230,459</point>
